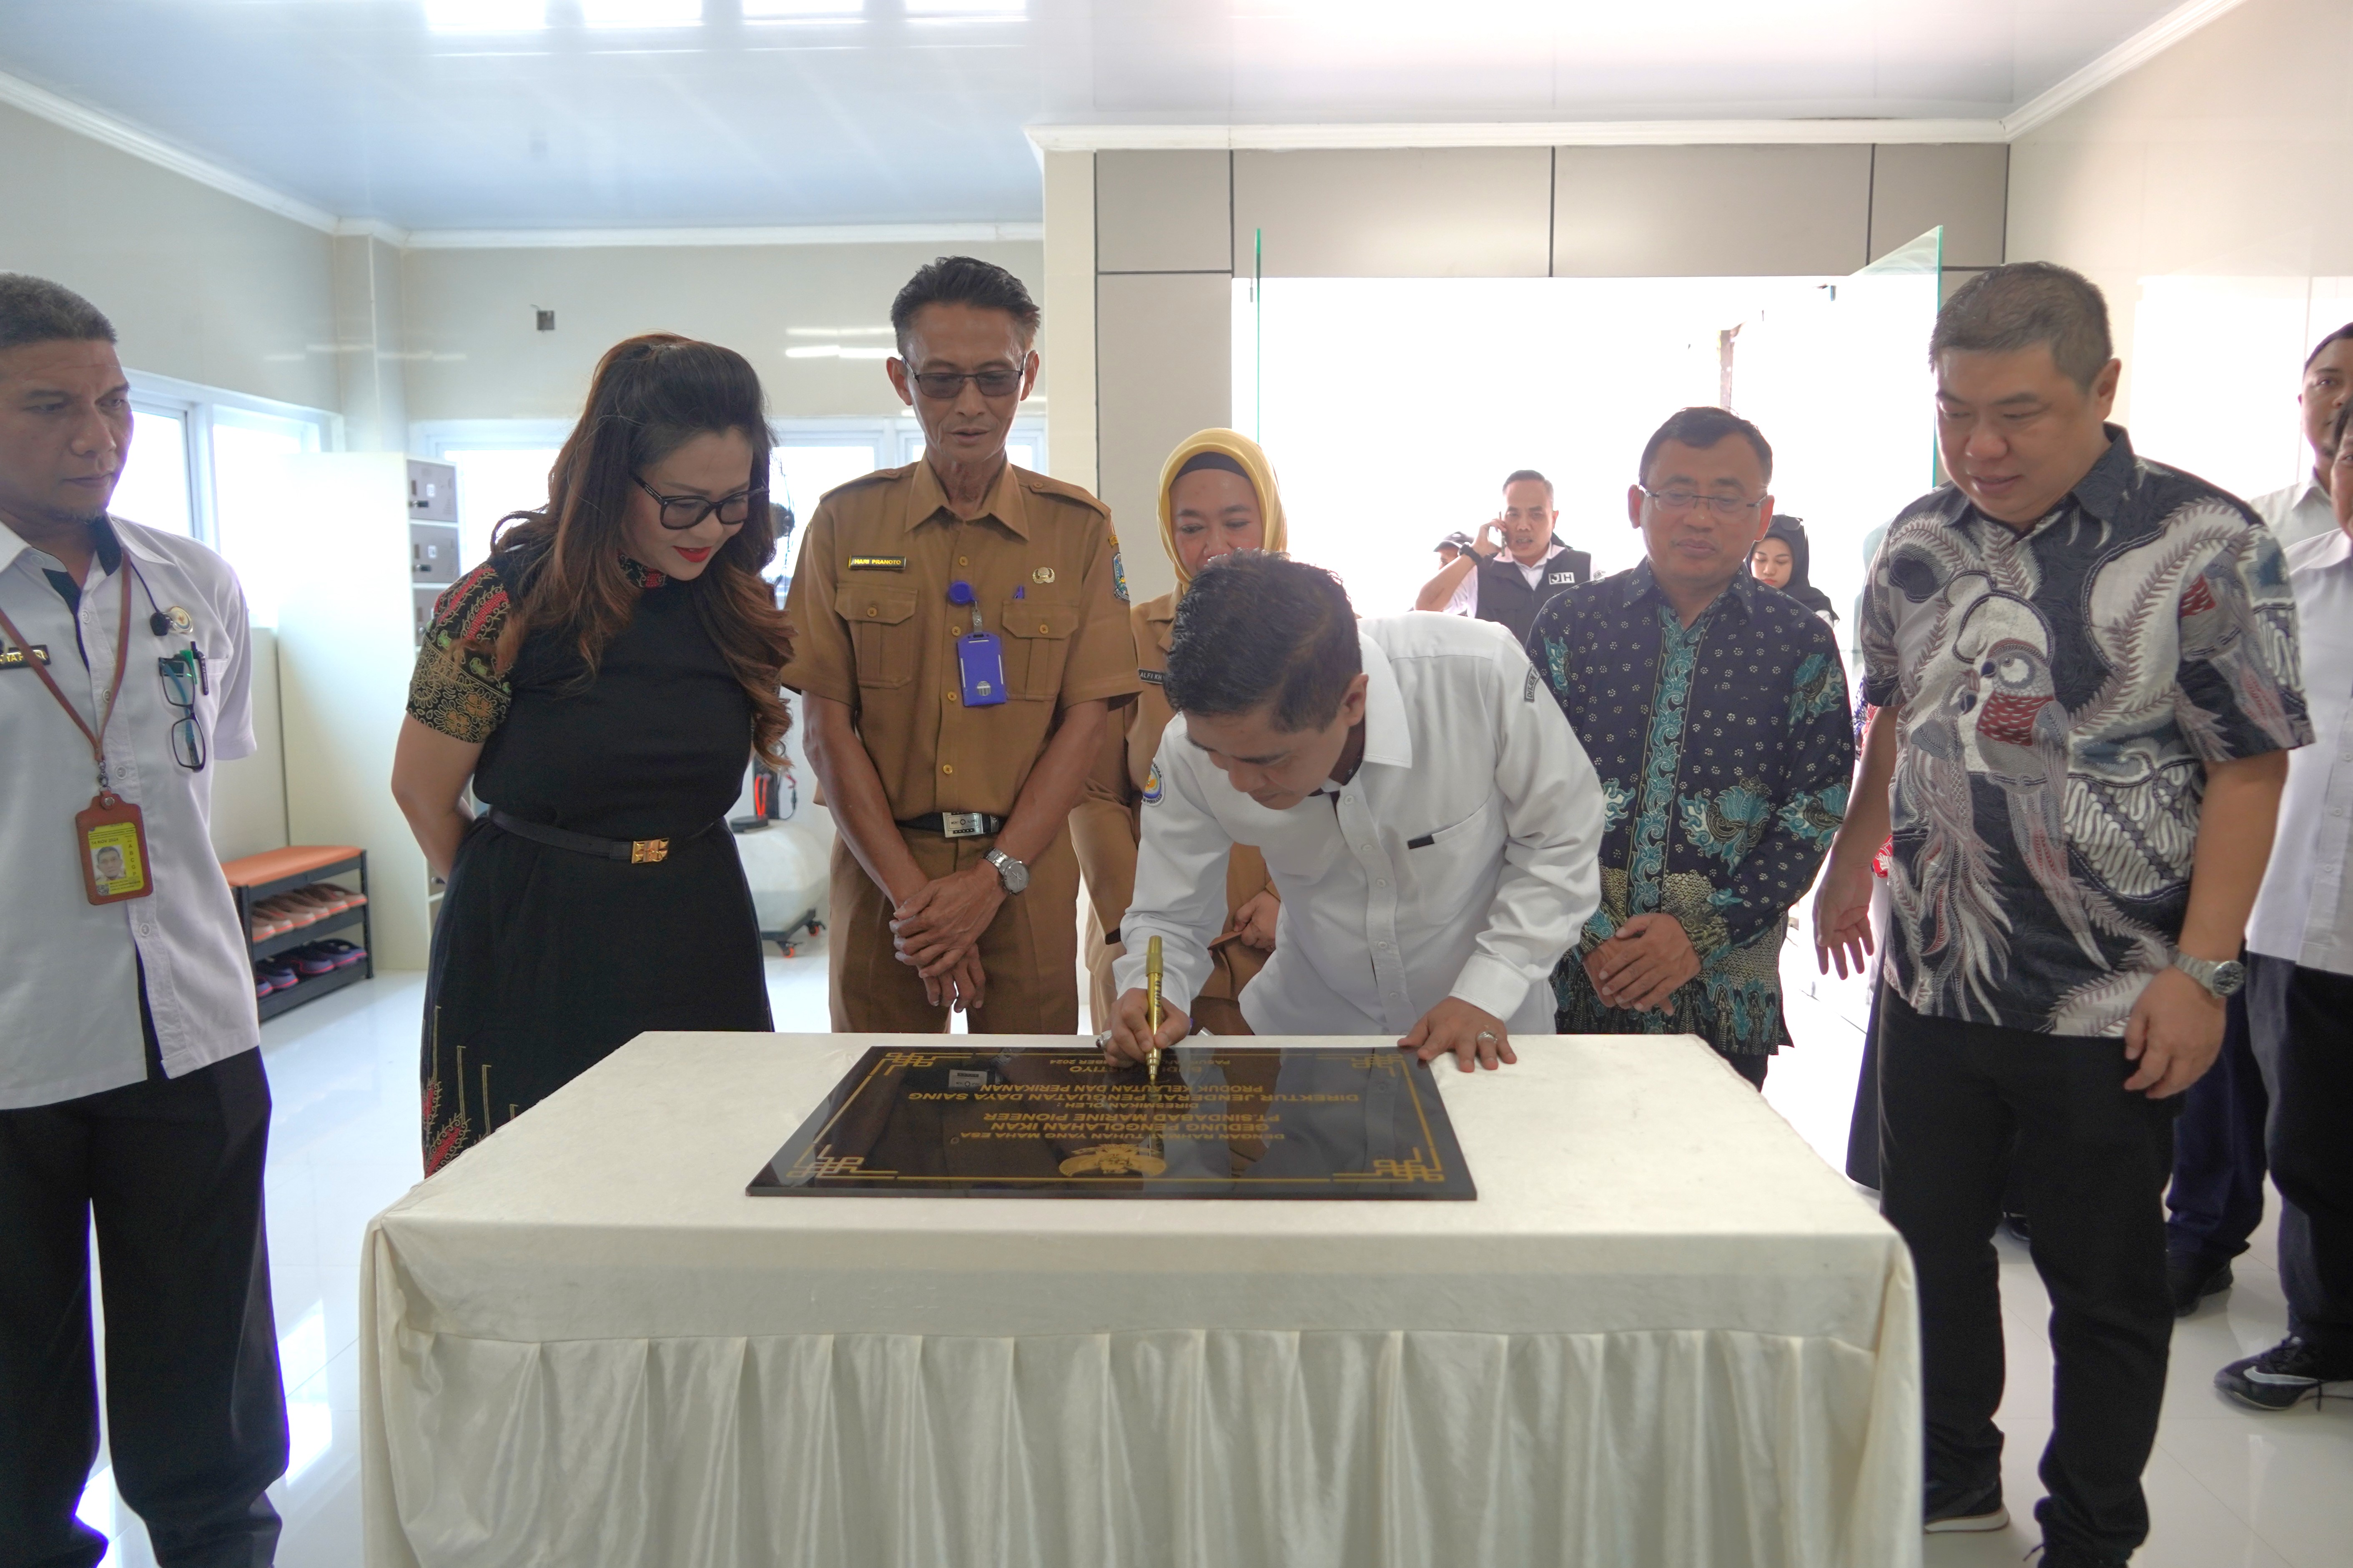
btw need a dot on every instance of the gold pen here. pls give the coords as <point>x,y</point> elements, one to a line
<point>1152,1006</point>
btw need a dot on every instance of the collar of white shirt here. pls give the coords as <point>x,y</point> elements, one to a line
<point>1389,739</point>
<point>2321,552</point>
<point>13,546</point>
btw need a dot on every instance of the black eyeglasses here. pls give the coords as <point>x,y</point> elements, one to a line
<point>996,381</point>
<point>679,513</point>
<point>1719,507</point>
<point>182,678</point>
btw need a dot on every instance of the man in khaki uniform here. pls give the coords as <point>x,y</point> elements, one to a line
<point>950,764</point>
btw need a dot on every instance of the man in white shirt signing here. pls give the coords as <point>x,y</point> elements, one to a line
<point>1427,815</point>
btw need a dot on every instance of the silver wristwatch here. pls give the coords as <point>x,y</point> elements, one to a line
<point>2220,979</point>
<point>1010,871</point>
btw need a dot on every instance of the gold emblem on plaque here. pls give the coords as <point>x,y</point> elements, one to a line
<point>1114,1160</point>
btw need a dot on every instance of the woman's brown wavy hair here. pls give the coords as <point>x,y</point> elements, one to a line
<point>650,396</point>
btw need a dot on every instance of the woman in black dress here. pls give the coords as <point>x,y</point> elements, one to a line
<point>602,679</point>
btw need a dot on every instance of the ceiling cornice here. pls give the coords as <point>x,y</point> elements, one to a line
<point>124,137</point>
<point>830,234</point>
<point>2137,50</point>
<point>1506,133</point>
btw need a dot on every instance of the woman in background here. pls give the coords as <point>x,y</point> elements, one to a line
<point>1782,559</point>
<point>1217,496</point>
<point>601,680</point>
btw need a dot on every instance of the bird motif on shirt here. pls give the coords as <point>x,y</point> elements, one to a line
<point>2216,616</point>
<point>2021,735</point>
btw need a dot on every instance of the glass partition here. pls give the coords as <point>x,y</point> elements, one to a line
<point>1392,408</point>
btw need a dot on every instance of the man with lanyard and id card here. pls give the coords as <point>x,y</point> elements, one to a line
<point>132,1090</point>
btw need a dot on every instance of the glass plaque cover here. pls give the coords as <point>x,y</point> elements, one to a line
<point>1224,1121</point>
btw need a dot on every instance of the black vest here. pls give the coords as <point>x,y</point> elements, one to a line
<point>1505,597</point>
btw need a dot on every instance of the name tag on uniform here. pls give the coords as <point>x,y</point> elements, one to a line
<point>980,662</point>
<point>878,563</point>
<point>1562,579</point>
<point>25,657</point>
<point>1153,676</point>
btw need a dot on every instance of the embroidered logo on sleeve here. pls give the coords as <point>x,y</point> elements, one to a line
<point>1118,573</point>
<point>1152,790</point>
<point>1528,687</point>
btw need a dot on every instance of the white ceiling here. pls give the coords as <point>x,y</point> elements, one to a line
<point>877,113</point>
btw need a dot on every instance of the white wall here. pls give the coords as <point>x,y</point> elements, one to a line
<point>200,285</point>
<point>475,351</point>
<point>2205,192</point>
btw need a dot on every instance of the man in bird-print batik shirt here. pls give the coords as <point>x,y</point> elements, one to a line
<point>1715,711</point>
<point>2084,666</point>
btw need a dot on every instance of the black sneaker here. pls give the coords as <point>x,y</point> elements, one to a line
<point>1976,1512</point>
<point>2190,1281</point>
<point>2283,1377</point>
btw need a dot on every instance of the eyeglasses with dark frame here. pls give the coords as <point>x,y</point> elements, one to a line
<point>679,513</point>
<point>182,681</point>
<point>1722,508</point>
<point>940,385</point>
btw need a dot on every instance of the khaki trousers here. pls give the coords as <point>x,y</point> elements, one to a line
<point>1029,952</point>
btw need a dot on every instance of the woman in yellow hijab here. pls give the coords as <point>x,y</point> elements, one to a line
<point>1218,495</point>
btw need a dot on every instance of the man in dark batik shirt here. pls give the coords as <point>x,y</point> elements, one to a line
<point>2086,671</point>
<point>1715,711</point>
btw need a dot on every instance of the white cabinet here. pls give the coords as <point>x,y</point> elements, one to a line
<point>340,525</point>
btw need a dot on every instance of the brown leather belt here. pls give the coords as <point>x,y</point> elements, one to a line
<point>627,851</point>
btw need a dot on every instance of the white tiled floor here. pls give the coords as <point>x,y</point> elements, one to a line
<point>2226,1487</point>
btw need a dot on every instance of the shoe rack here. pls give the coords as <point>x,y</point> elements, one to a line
<point>256,879</point>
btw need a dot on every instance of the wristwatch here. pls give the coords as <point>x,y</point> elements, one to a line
<point>2220,979</point>
<point>1010,871</point>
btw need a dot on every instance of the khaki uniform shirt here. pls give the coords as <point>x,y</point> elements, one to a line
<point>873,627</point>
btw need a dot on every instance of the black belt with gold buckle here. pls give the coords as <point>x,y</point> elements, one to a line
<point>627,851</point>
<point>957,824</point>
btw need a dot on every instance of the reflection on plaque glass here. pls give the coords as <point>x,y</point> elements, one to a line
<point>1224,1121</point>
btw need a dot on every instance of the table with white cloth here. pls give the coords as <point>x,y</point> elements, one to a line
<point>1665,1333</point>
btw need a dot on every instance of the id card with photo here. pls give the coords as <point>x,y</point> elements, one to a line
<point>112,838</point>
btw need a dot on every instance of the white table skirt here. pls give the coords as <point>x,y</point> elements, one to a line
<point>1665,1334</point>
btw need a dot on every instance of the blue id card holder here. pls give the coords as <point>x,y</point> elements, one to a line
<point>980,661</point>
<point>981,656</point>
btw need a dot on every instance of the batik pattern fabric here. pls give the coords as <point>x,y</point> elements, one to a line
<point>2063,691</point>
<point>456,687</point>
<point>1725,750</point>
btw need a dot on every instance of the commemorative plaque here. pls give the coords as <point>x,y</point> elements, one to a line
<point>1229,1121</point>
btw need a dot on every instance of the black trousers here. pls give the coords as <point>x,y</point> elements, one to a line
<point>1960,1102</point>
<point>172,1170</point>
<point>2302,1022</point>
<point>2217,1197</point>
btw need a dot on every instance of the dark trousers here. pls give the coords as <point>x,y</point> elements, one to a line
<point>1960,1102</point>
<point>2303,1021</point>
<point>172,1171</point>
<point>2217,1196</point>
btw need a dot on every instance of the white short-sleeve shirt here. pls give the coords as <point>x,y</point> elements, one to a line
<point>70,989</point>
